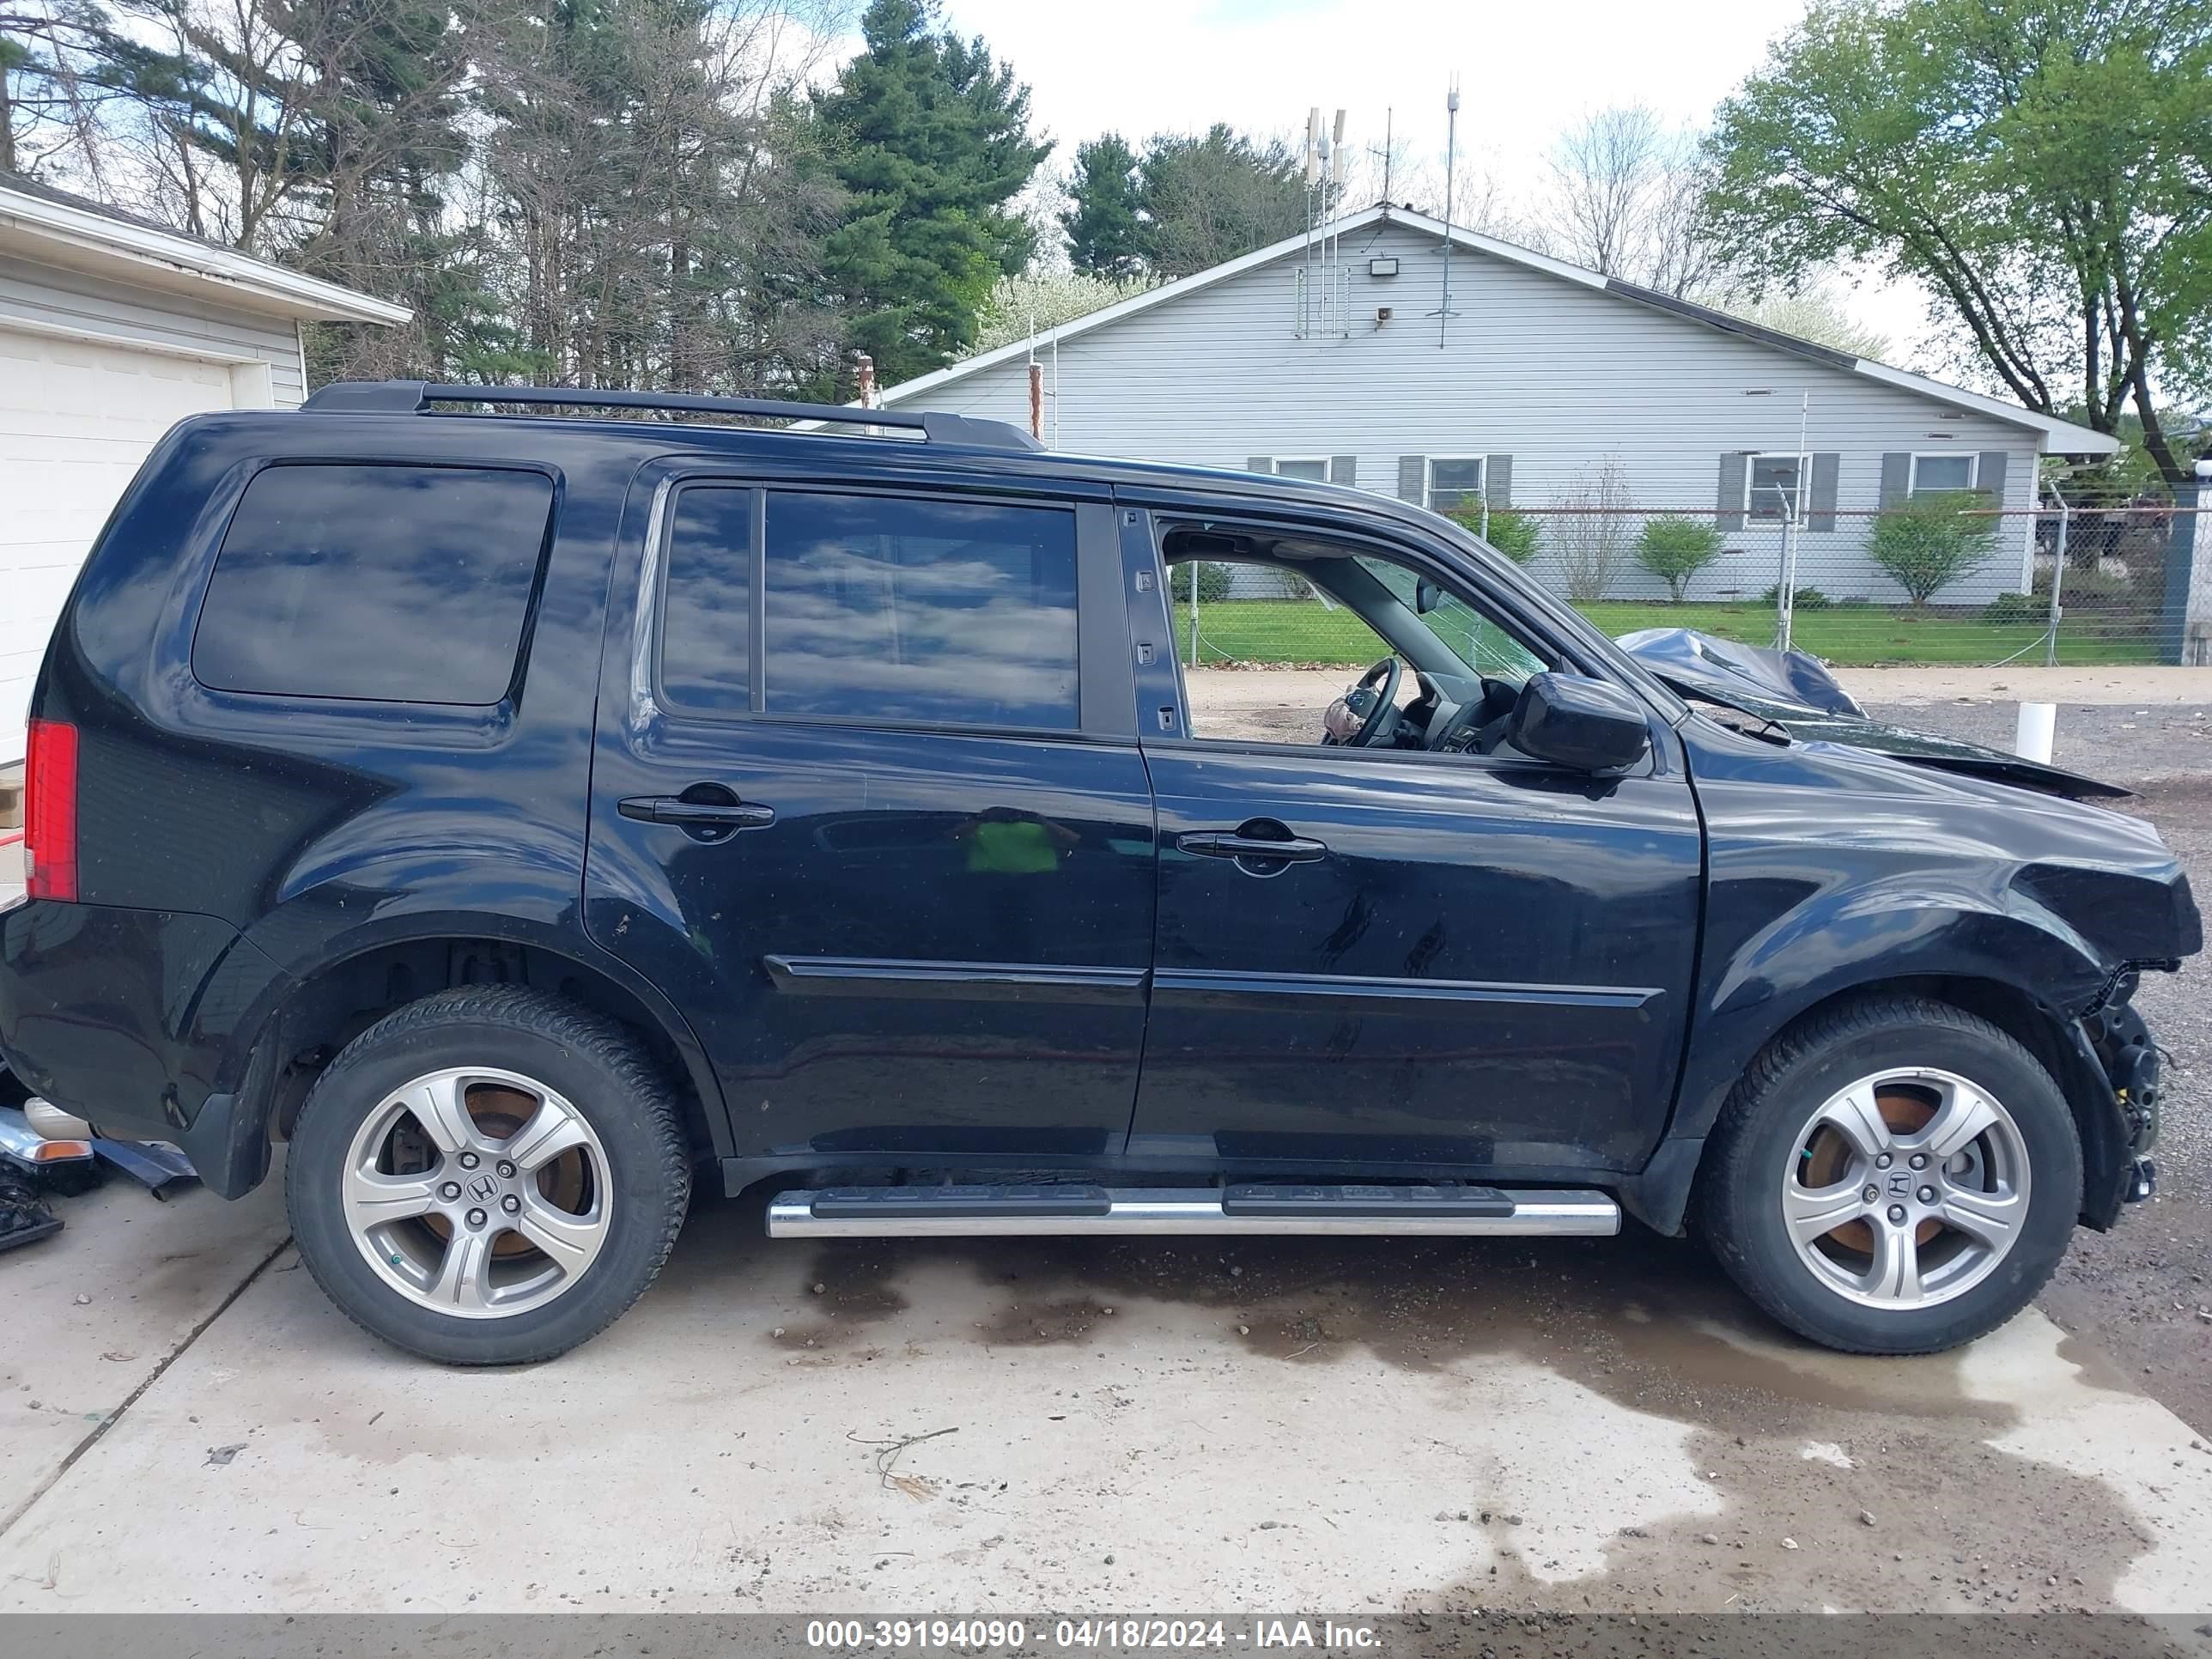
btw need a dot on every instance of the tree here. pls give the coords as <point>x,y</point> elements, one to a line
<point>1211,199</point>
<point>1105,238</point>
<point>1624,199</point>
<point>2038,164</point>
<point>52,87</point>
<point>1589,529</point>
<point>1037,302</point>
<point>1815,313</point>
<point>1676,549</point>
<point>930,138</point>
<point>1928,542</point>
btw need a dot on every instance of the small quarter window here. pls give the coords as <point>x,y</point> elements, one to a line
<point>706,610</point>
<point>400,584</point>
<point>910,609</point>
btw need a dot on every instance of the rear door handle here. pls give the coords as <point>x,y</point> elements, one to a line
<point>696,814</point>
<point>1228,844</point>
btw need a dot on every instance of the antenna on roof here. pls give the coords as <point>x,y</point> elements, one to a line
<point>1444,312</point>
<point>1322,294</point>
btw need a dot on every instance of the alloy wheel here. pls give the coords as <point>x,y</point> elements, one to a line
<point>1906,1188</point>
<point>476,1192</point>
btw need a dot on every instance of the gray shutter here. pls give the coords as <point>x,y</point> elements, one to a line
<point>1497,480</point>
<point>1729,515</point>
<point>1821,510</point>
<point>1896,476</point>
<point>1260,463</point>
<point>1989,476</point>
<point>1413,478</point>
<point>1344,469</point>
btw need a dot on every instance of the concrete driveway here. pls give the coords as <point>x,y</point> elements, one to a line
<point>1366,1425</point>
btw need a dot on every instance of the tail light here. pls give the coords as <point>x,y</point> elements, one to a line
<point>50,810</point>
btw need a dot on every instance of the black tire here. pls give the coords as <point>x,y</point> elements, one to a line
<point>1739,1212</point>
<point>603,1072</point>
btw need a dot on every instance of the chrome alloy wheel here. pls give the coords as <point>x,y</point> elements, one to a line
<point>1906,1190</point>
<point>476,1192</point>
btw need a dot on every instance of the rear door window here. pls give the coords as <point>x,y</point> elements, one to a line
<point>876,608</point>
<point>406,584</point>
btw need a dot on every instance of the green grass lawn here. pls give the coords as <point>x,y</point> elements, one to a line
<point>1302,631</point>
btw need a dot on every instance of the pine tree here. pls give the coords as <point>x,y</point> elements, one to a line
<point>930,139</point>
<point>1105,237</point>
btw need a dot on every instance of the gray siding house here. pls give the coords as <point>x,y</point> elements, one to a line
<point>1544,377</point>
<point>112,330</point>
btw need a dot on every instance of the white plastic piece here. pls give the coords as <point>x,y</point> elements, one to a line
<point>2032,738</point>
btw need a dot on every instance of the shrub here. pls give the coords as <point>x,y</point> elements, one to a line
<point>1513,534</point>
<point>1802,598</point>
<point>1929,542</point>
<point>1676,549</point>
<point>1212,583</point>
<point>2017,608</point>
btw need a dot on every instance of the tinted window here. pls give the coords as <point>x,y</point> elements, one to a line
<point>402,582</point>
<point>920,611</point>
<point>706,613</point>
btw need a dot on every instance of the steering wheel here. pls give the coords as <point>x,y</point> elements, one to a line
<point>1390,671</point>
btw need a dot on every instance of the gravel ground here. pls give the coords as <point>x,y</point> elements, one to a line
<point>2143,1291</point>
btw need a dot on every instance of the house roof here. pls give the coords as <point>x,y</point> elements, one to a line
<point>56,228</point>
<point>2055,436</point>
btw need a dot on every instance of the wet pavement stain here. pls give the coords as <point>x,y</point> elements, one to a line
<point>1651,1325</point>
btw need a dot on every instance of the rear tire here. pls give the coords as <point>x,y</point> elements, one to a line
<point>1892,1176</point>
<point>488,1176</point>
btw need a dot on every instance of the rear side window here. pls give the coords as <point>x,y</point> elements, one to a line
<point>880,608</point>
<point>409,584</point>
<point>705,615</point>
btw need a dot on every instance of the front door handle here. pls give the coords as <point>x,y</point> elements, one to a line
<point>696,814</point>
<point>1230,844</point>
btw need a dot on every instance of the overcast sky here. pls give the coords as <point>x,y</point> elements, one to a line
<point>1144,66</point>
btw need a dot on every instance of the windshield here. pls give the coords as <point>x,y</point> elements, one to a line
<point>1468,635</point>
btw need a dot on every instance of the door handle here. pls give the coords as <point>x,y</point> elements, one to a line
<point>1228,844</point>
<point>696,814</point>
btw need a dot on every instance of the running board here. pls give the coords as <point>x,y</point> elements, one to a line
<point>1033,1211</point>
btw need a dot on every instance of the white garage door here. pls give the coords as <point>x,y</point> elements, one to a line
<point>76,419</point>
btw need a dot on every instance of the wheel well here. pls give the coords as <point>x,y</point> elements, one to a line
<point>345,999</point>
<point>2043,1033</point>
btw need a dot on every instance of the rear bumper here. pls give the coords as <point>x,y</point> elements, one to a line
<point>138,1021</point>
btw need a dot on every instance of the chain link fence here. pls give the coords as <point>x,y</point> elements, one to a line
<point>1928,579</point>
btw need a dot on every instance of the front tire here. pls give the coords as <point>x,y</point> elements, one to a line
<point>488,1176</point>
<point>1894,1177</point>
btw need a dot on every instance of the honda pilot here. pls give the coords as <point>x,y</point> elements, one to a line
<point>526,815</point>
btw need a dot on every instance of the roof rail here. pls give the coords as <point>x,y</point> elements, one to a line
<point>416,396</point>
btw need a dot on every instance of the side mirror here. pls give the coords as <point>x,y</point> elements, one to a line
<point>1588,725</point>
<point>1426,594</point>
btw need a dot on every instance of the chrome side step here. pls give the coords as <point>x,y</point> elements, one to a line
<point>1038,1210</point>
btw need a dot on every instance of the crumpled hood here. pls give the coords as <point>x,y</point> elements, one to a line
<point>1794,691</point>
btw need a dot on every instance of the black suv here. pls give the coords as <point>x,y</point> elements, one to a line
<point>518,813</point>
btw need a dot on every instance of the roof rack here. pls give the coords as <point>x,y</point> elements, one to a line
<point>416,396</point>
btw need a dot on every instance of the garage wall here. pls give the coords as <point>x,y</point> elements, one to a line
<point>77,414</point>
<point>66,299</point>
<point>76,418</point>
